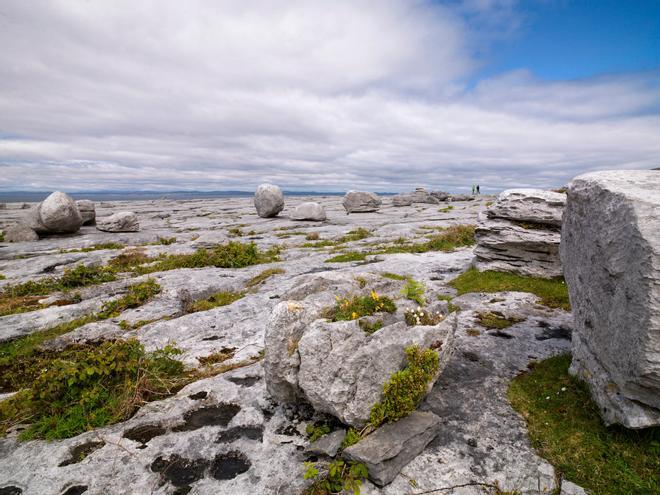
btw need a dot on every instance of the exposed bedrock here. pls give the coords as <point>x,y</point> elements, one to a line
<point>611,254</point>
<point>520,233</point>
<point>123,221</point>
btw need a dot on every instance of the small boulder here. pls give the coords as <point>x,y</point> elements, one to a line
<point>402,200</point>
<point>57,214</point>
<point>123,221</point>
<point>20,233</point>
<point>461,197</point>
<point>87,211</point>
<point>440,195</point>
<point>328,444</point>
<point>421,195</point>
<point>361,202</point>
<point>309,211</point>
<point>268,200</point>
<point>391,447</point>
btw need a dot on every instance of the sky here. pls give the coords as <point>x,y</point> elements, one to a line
<point>383,95</point>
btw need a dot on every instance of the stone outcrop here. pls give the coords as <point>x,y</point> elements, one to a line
<point>440,195</point>
<point>268,200</point>
<point>390,448</point>
<point>361,202</point>
<point>309,211</point>
<point>520,233</point>
<point>328,444</point>
<point>57,214</point>
<point>87,211</point>
<point>461,197</point>
<point>419,195</point>
<point>336,366</point>
<point>402,199</point>
<point>122,221</point>
<point>20,233</point>
<point>611,254</point>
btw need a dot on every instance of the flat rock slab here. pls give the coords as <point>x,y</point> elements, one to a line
<point>328,444</point>
<point>386,451</point>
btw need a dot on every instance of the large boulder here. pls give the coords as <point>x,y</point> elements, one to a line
<point>361,202</point>
<point>390,448</point>
<point>87,211</point>
<point>520,233</point>
<point>421,195</point>
<point>57,214</point>
<point>309,211</point>
<point>122,221</point>
<point>610,249</point>
<point>402,199</point>
<point>20,233</point>
<point>440,195</point>
<point>268,200</point>
<point>336,366</point>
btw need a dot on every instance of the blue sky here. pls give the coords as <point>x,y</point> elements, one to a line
<point>311,94</point>
<point>577,39</point>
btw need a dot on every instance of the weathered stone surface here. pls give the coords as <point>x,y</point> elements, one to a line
<point>343,369</point>
<point>310,210</point>
<point>20,233</point>
<point>440,195</point>
<point>402,200</point>
<point>57,214</point>
<point>361,202</point>
<point>421,195</point>
<point>87,211</point>
<point>268,200</point>
<point>461,197</point>
<point>386,451</point>
<point>328,444</point>
<point>123,221</point>
<point>529,205</point>
<point>507,246</point>
<point>611,254</point>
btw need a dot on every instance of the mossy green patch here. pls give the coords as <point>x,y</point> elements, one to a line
<point>347,257</point>
<point>451,307</point>
<point>405,389</point>
<point>553,292</point>
<point>95,247</point>
<point>218,299</point>
<point>414,291</point>
<point>449,239</point>
<point>358,306</point>
<point>564,426</point>
<point>314,432</point>
<point>370,327</point>
<point>393,276</point>
<point>497,320</point>
<point>355,235</point>
<point>137,295</point>
<point>263,276</point>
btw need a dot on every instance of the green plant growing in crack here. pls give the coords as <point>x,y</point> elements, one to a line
<point>338,476</point>
<point>414,291</point>
<point>314,432</point>
<point>497,320</point>
<point>358,306</point>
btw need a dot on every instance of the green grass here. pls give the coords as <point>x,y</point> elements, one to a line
<point>552,292</point>
<point>95,247</point>
<point>230,255</point>
<point>137,295</point>
<point>263,276</point>
<point>451,307</point>
<point>347,257</point>
<point>565,428</point>
<point>2,236</point>
<point>319,244</point>
<point>216,300</point>
<point>393,276</point>
<point>446,209</point>
<point>355,235</point>
<point>85,387</point>
<point>447,240</point>
<point>414,291</point>
<point>496,320</point>
<point>359,306</point>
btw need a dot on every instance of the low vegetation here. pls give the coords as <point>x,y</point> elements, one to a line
<point>218,299</point>
<point>420,317</point>
<point>564,426</point>
<point>312,236</point>
<point>552,292</point>
<point>497,320</point>
<point>405,389</point>
<point>339,476</point>
<point>449,239</point>
<point>359,306</point>
<point>393,276</point>
<point>348,257</point>
<point>85,387</point>
<point>446,209</point>
<point>370,326</point>
<point>95,247</point>
<point>263,276</point>
<point>355,235</point>
<point>451,307</point>
<point>137,295</point>
<point>414,291</point>
<point>314,432</point>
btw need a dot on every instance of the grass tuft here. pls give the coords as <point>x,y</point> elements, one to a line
<point>359,306</point>
<point>564,426</point>
<point>218,299</point>
<point>263,276</point>
<point>553,292</point>
<point>347,257</point>
<point>497,320</point>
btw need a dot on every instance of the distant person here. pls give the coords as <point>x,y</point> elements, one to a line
<point>473,189</point>
<point>478,192</point>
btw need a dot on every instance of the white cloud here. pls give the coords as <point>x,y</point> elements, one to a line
<point>308,94</point>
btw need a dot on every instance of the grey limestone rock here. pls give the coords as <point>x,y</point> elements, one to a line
<point>391,447</point>
<point>440,195</point>
<point>611,253</point>
<point>87,211</point>
<point>20,233</point>
<point>461,197</point>
<point>122,221</point>
<point>529,205</point>
<point>268,200</point>
<point>309,211</point>
<point>328,444</point>
<point>361,202</point>
<point>421,195</point>
<point>57,214</point>
<point>402,200</point>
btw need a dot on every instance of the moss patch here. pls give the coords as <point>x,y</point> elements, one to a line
<point>406,388</point>
<point>263,276</point>
<point>355,235</point>
<point>393,276</point>
<point>218,299</point>
<point>447,240</point>
<point>347,257</point>
<point>414,291</point>
<point>95,247</point>
<point>553,292</point>
<point>359,306</point>
<point>497,320</point>
<point>565,427</point>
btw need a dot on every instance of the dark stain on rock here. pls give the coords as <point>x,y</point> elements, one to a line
<point>212,337</point>
<point>288,430</point>
<point>178,470</point>
<point>144,433</point>
<point>471,356</point>
<point>246,381</point>
<point>218,415</point>
<point>79,452</point>
<point>75,490</point>
<point>198,395</point>
<point>555,333</point>
<point>182,490</point>
<point>11,490</point>
<point>228,466</point>
<point>233,434</point>
<point>501,334</point>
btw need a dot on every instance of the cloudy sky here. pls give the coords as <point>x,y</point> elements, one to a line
<point>325,95</point>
